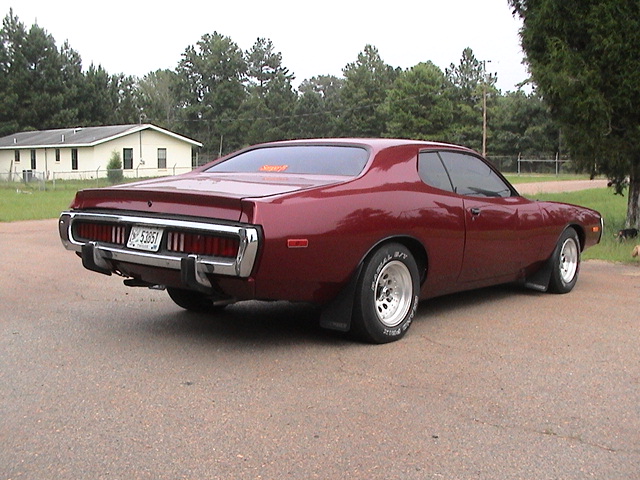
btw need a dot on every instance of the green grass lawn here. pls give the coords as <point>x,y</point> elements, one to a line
<point>20,202</point>
<point>37,201</point>
<point>613,209</point>
<point>515,178</point>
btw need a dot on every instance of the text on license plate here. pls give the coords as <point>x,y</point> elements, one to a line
<point>145,238</point>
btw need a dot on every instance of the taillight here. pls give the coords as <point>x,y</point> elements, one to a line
<point>179,242</point>
<point>101,232</point>
<point>202,244</point>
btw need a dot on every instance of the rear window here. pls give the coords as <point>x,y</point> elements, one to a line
<point>297,159</point>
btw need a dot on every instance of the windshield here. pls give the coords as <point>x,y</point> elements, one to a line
<point>297,159</point>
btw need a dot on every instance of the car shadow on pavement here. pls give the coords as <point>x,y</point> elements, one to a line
<point>272,324</point>
<point>473,298</point>
<point>250,323</point>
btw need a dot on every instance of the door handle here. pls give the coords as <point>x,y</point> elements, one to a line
<point>475,211</point>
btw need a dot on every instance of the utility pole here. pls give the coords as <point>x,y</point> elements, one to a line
<point>484,118</point>
<point>484,107</point>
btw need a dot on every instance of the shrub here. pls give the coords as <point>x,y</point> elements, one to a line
<point>114,168</point>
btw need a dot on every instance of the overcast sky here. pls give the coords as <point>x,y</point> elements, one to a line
<point>315,38</point>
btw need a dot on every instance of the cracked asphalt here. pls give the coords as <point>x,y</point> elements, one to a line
<point>100,381</point>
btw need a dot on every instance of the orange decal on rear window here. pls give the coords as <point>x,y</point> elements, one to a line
<point>273,168</point>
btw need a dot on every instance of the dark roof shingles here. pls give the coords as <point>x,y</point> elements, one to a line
<point>63,136</point>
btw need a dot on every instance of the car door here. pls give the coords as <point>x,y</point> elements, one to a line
<point>493,238</point>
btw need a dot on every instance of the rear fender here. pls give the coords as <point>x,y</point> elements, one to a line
<point>336,315</point>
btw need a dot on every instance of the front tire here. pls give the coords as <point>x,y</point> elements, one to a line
<point>565,263</point>
<point>386,295</point>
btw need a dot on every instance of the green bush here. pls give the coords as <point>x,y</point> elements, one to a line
<point>114,169</point>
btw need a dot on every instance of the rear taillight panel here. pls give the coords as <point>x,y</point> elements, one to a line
<point>101,232</point>
<point>202,244</point>
<point>176,241</point>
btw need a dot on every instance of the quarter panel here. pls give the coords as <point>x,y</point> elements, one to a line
<point>342,223</point>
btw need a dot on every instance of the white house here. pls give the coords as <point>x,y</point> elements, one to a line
<point>145,151</point>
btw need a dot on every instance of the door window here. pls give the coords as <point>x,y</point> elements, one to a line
<point>471,176</point>
<point>432,171</point>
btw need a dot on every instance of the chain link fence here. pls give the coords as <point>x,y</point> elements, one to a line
<point>533,165</point>
<point>70,179</point>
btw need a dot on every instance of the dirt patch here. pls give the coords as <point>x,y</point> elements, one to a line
<point>559,186</point>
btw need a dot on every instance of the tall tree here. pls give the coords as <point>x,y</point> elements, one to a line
<point>468,76</point>
<point>32,69</point>
<point>108,99</point>
<point>318,107</point>
<point>522,124</point>
<point>155,92</point>
<point>12,72</point>
<point>211,91</point>
<point>583,55</point>
<point>74,81</point>
<point>472,87</point>
<point>367,81</point>
<point>267,113</point>
<point>264,66</point>
<point>42,87</point>
<point>97,99</point>
<point>420,104</point>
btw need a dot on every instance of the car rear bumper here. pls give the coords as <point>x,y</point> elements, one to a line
<point>195,269</point>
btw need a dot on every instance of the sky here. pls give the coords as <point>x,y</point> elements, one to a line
<point>137,37</point>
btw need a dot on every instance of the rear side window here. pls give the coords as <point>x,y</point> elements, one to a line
<point>297,159</point>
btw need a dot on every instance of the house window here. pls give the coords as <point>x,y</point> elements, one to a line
<point>57,155</point>
<point>16,156</point>
<point>33,160</point>
<point>162,158</point>
<point>127,155</point>
<point>74,159</point>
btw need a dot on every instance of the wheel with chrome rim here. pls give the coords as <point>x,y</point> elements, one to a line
<point>565,262</point>
<point>387,295</point>
<point>393,293</point>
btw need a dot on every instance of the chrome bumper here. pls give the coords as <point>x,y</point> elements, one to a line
<point>194,268</point>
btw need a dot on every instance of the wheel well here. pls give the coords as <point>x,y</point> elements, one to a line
<point>415,247</point>
<point>581,235</point>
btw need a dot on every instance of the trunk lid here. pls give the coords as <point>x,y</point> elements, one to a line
<point>212,195</point>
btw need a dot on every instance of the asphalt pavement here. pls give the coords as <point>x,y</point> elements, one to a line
<point>101,381</point>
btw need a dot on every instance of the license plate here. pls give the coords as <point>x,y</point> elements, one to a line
<point>145,238</point>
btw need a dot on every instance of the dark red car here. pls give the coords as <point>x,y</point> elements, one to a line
<point>365,228</point>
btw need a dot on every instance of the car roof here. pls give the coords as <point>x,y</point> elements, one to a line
<point>375,143</point>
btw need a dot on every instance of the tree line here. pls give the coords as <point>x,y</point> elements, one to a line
<point>227,98</point>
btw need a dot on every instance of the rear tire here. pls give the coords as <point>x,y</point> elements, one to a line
<point>565,263</point>
<point>193,301</point>
<point>386,295</point>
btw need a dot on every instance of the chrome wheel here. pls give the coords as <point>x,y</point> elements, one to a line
<point>569,259</point>
<point>565,262</point>
<point>386,295</point>
<point>393,293</point>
